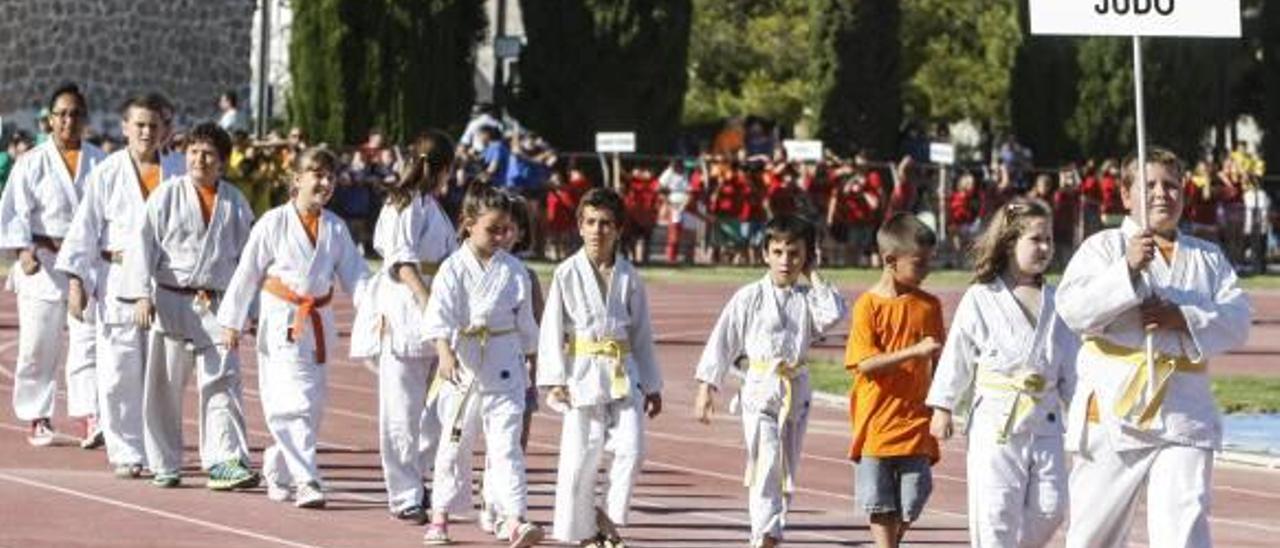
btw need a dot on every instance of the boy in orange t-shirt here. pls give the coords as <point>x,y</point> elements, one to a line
<point>894,340</point>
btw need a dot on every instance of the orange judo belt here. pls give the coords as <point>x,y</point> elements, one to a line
<point>308,307</point>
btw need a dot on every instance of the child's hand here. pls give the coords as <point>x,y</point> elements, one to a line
<point>928,347</point>
<point>1140,250</point>
<point>940,425</point>
<point>704,404</point>
<point>1158,313</point>
<point>653,404</point>
<point>448,368</point>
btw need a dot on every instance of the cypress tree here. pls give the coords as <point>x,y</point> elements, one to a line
<point>605,65</point>
<point>857,71</point>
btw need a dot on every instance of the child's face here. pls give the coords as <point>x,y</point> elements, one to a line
<point>599,230</point>
<point>786,260</point>
<point>1164,197</point>
<point>313,187</point>
<point>489,232</point>
<point>910,268</point>
<point>1033,250</point>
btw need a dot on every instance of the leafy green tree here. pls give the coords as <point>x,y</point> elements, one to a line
<point>748,57</point>
<point>605,65</point>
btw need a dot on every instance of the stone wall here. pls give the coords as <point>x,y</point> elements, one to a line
<point>189,50</point>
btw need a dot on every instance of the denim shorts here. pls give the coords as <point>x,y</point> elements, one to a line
<point>894,484</point>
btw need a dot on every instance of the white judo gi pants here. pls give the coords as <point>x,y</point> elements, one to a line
<point>498,417</point>
<point>40,349</point>
<point>773,455</point>
<point>1104,494</point>
<point>220,411</point>
<point>1017,490</point>
<point>121,380</point>
<point>587,432</point>
<point>293,399</point>
<point>408,428</point>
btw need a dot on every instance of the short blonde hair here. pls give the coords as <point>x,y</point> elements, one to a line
<point>904,233</point>
<point>1156,155</point>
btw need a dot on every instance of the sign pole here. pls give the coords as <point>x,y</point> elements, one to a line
<point>1143,214</point>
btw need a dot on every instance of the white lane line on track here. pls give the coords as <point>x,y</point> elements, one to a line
<point>154,512</point>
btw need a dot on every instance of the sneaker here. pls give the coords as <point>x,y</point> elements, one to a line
<point>278,492</point>
<point>232,474</point>
<point>166,480</point>
<point>608,530</point>
<point>413,514</point>
<point>93,437</point>
<point>437,535</point>
<point>526,534</point>
<point>128,471</point>
<point>308,495</point>
<point>41,433</point>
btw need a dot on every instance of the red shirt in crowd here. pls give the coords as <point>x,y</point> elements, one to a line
<point>642,201</point>
<point>728,196</point>
<point>751,208</point>
<point>963,207</point>
<point>1109,192</point>
<point>1066,209</point>
<point>562,202</point>
<point>858,207</point>
<point>781,197</point>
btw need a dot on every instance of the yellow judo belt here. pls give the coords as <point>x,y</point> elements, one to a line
<point>1026,388</point>
<point>786,373</point>
<point>1165,367</point>
<point>614,349</point>
<point>482,336</point>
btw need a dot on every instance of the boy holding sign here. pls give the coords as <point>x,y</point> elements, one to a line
<point>1147,419</point>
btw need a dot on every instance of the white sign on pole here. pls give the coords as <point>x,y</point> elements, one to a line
<point>507,47</point>
<point>1210,18</point>
<point>803,150</point>
<point>942,153</point>
<point>616,141</point>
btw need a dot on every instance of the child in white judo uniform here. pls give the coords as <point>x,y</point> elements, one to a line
<point>36,211</point>
<point>412,236</point>
<point>1140,420</point>
<point>191,237</point>
<point>772,322</point>
<point>481,316</point>
<point>108,225</point>
<point>1008,344</point>
<point>294,254</point>
<point>596,359</point>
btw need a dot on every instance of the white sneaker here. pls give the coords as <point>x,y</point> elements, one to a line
<point>128,471</point>
<point>526,534</point>
<point>41,433</point>
<point>309,495</point>
<point>278,492</point>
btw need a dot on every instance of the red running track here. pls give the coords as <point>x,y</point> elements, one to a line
<point>690,494</point>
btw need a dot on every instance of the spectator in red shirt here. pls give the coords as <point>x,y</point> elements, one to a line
<point>727,199</point>
<point>852,214</point>
<point>1066,216</point>
<point>963,207</point>
<point>1230,197</point>
<point>563,194</point>
<point>642,201</point>
<point>752,213</point>
<point>1201,211</point>
<point>1113,210</point>
<point>783,195</point>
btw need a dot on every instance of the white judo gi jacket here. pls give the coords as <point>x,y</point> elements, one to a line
<point>578,315</point>
<point>1098,299</point>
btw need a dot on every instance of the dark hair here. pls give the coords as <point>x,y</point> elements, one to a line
<point>904,233</point>
<point>68,88</point>
<point>431,157</point>
<point>992,250</point>
<point>491,132</point>
<point>523,219</point>
<point>482,198</point>
<point>230,96</point>
<point>209,132</point>
<point>787,228</point>
<point>606,199</point>
<point>153,102</point>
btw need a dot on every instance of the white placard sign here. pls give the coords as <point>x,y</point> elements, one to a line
<point>942,153</point>
<point>616,142</point>
<point>1209,18</point>
<point>803,150</point>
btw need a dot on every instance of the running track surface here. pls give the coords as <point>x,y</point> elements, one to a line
<point>690,494</point>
